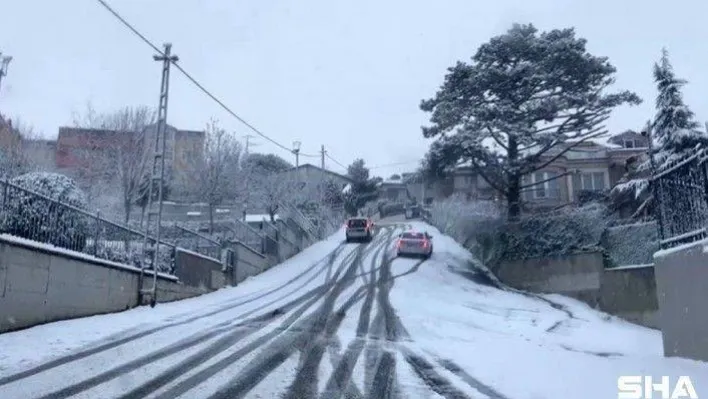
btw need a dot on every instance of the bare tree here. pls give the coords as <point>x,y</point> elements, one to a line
<point>270,190</point>
<point>122,155</point>
<point>219,175</point>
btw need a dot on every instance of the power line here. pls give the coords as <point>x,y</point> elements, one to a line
<point>196,83</point>
<point>334,160</point>
<point>394,164</point>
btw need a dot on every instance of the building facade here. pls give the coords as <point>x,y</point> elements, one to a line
<point>585,169</point>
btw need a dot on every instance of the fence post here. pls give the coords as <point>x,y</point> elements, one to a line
<point>97,232</point>
<point>5,190</point>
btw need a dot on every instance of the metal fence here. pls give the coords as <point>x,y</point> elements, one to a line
<point>681,191</point>
<point>33,216</point>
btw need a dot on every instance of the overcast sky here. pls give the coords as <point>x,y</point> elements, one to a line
<point>346,74</point>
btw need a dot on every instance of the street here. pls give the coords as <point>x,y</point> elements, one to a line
<point>337,321</point>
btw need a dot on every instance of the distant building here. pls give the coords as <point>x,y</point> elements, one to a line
<point>80,151</point>
<point>10,142</point>
<point>587,168</point>
<point>394,191</point>
<point>308,175</point>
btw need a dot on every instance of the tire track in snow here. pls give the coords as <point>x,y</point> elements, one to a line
<point>306,380</point>
<point>113,343</point>
<point>426,372</point>
<point>239,331</point>
<point>212,350</point>
<point>484,389</point>
<point>340,384</point>
<point>279,351</point>
<point>291,337</point>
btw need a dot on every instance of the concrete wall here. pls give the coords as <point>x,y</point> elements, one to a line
<point>681,276</point>
<point>576,276</point>
<point>196,270</point>
<point>627,292</point>
<point>40,285</point>
<point>249,262</point>
<point>630,292</point>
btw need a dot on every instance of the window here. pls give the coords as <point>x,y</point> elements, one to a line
<point>628,143</point>
<point>541,185</point>
<point>589,181</point>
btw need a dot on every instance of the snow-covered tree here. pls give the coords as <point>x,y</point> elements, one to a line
<point>36,218</point>
<point>220,179</point>
<point>270,190</point>
<point>675,134</point>
<point>125,163</point>
<point>674,128</point>
<point>363,188</point>
<point>524,101</point>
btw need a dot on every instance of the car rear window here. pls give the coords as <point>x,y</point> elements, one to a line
<point>357,223</point>
<point>413,236</point>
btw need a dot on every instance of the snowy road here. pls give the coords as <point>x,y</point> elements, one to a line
<point>343,321</point>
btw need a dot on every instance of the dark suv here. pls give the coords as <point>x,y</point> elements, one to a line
<point>360,229</point>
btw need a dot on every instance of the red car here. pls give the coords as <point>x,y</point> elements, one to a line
<point>414,243</point>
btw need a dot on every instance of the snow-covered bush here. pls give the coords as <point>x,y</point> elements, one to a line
<point>552,234</point>
<point>134,255</point>
<point>632,244</point>
<point>37,218</point>
<point>474,224</point>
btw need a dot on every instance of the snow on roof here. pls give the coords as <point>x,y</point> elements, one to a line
<point>260,218</point>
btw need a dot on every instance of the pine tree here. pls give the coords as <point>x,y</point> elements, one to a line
<point>525,99</point>
<point>675,128</point>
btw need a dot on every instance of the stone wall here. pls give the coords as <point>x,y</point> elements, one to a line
<point>627,292</point>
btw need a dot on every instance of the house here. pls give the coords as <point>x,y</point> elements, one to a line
<point>585,170</point>
<point>10,143</point>
<point>81,151</point>
<point>311,176</point>
<point>393,190</point>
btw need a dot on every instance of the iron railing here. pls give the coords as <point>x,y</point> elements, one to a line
<point>681,192</point>
<point>30,215</point>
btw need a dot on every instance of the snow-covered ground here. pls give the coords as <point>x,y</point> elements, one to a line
<point>342,317</point>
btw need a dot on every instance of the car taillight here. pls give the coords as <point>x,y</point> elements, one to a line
<point>399,243</point>
<point>425,243</point>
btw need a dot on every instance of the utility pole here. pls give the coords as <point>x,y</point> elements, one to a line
<point>296,151</point>
<point>4,62</point>
<point>248,177</point>
<point>322,155</point>
<point>249,143</point>
<point>157,176</point>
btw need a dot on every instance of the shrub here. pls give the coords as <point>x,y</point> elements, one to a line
<point>474,224</point>
<point>632,244</point>
<point>134,256</point>
<point>479,226</point>
<point>551,234</point>
<point>36,218</point>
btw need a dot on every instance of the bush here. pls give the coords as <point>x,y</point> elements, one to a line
<point>632,244</point>
<point>33,217</point>
<point>552,234</point>
<point>475,225</point>
<point>134,256</point>
<point>479,226</point>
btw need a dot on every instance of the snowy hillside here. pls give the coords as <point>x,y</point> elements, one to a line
<point>344,319</point>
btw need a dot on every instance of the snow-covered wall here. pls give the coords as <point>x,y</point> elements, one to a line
<point>40,284</point>
<point>681,276</point>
